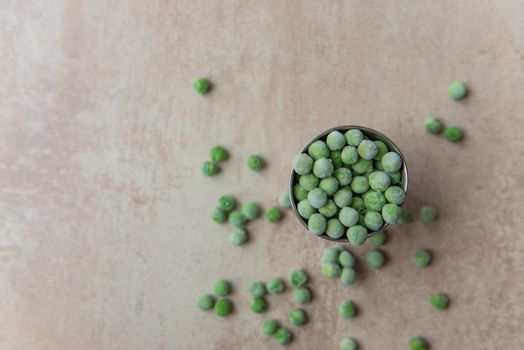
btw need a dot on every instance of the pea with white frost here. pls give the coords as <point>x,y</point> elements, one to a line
<point>335,140</point>
<point>317,198</point>
<point>302,164</point>
<point>323,168</point>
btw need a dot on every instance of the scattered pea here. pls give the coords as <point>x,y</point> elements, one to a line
<point>374,258</point>
<point>457,90</point>
<point>391,213</point>
<point>318,150</point>
<point>453,133</point>
<point>395,195</point>
<point>250,210</point>
<point>223,307</point>
<point>405,216</point>
<point>273,214</point>
<point>354,137</point>
<point>391,162</point>
<point>218,215</point>
<point>269,327</point>
<point>428,213</point>
<point>421,258</point>
<point>367,149</point>
<point>257,289</point>
<point>238,236</point>
<point>418,343</point>
<point>330,270</point>
<point>302,164</point>
<point>348,276</point>
<point>317,224</point>
<point>335,229</point>
<point>359,184</point>
<point>284,201</point>
<point>298,278</point>
<point>222,288</point>
<point>317,198</point>
<point>308,182</point>
<point>439,301</point>
<point>348,343</point>
<point>227,203</point>
<point>379,181</point>
<point>329,184</point>
<point>378,239</point>
<point>218,154</point>
<point>258,305</point>
<point>299,192</point>
<point>209,168</point>
<point>297,317</point>
<point>236,219</point>
<point>349,155</point>
<point>373,220</point>
<point>357,235</point>
<point>206,302</point>
<point>302,295</point>
<point>432,125</point>
<point>330,255</point>
<point>305,209</point>
<point>346,259</point>
<point>335,140</point>
<point>255,162</point>
<point>347,309</point>
<point>323,168</point>
<point>275,285</point>
<point>283,335</point>
<point>328,210</point>
<point>201,85</point>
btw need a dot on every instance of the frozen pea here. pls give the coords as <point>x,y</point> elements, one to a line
<point>318,149</point>
<point>439,301</point>
<point>250,210</point>
<point>223,307</point>
<point>236,219</point>
<point>379,181</point>
<point>347,309</point>
<point>391,213</point>
<point>209,168</point>
<point>218,154</point>
<point>273,214</point>
<point>421,258</point>
<point>257,289</point>
<point>343,197</point>
<point>457,90</point>
<point>305,209</point>
<point>405,216</point>
<point>357,235</point>
<point>269,327</point>
<point>328,210</point>
<point>391,162</point>
<point>357,203</point>
<point>378,164</point>
<point>275,285</point>
<point>317,198</point>
<point>317,224</point>
<point>298,278</point>
<point>297,317</point>
<point>395,195</point>
<point>323,168</point>
<point>346,259</point>
<point>382,149</point>
<point>367,149</point>
<point>343,176</point>
<point>238,236</point>
<point>302,295</point>
<point>361,220</point>
<point>308,182</point>
<point>336,158</point>
<point>428,213</point>
<point>206,302</point>
<point>395,178</point>
<point>335,140</point>
<point>338,247</point>
<point>201,85</point>
<point>359,184</point>
<point>258,305</point>
<point>348,276</point>
<point>362,166</point>
<point>453,133</point>
<point>378,239</point>
<point>330,255</point>
<point>329,184</point>
<point>418,343</point>
<point>374,258</point>
<point>330,270</point>
<point>282,335</point>
<point>335,229</point>
<point>302,164</point>
<point>349,155</point>
<point>227,203</point>
<point>218,215</point>
<point>255,162</point>
<point>374,200</point>
<point>348,343</point>
<point>299,192</point>
<point>354,137</point>
<point>432,125</point>
<point>373,220</point>
<point>284,201</point>
<point>348,216</point>
<point>222,288</point>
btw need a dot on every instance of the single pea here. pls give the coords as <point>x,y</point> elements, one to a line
<point>201,85</point>
<point>421,258</point>
<point>335,229</point>
<point>349,155</point>
<point>379,181</point>
<point>374,258</point>
<point>395,195</point>
<point>330,255</point>
<point>317,224</point>
<point>250,210</point>
<point>330,270</point>
<point>357,203</point>
<point>336,158</point>
<point>206,302</point>
<point>236,219</point>
<point>218,154</point>
<point>269,327</point>
<point>428,213</point>
<point>354,137</point>
<point>275,285</point>
<point>317,198</point>
<point>439,301</point>
<point>378,164</point>
<point>238,236</point>
<point>302,164</point>
<point>343,197</point>
<point>218,215</point>
<point>257,289</point>
<point>378,239</point>
<point>391,162</point>
<point>328,210</point>
<point>373,220</point>
<point>382,149</point>
<point>362,166</point>
<point>405,216</point>
<point>348,276</point>
<point>347,309</point>
<point>255,162</point>
<point>318,149</point>
<point>283,335</point>
<point>346,259</point>
<point>284,201</point>
<point>359,184</point>
<point>302,295</point>
<point>258,305</point>
<point>273,214</point>
<point>367,149</point>
<point>308,182</point>
<point>329,184</point>
<point>298,278</point>
<point>433,125</point>
<point>209,168</point>
<point>357,235</point>
<point>391,213</point>
<point>335,140</point>
<point>348,216</point>
<point>222,288</point>
<point>374,200</point>
<point>348,343</point>
<point>343,175</point>
<point>395,178</point>
<point>457,90</point>
<point>453,133</point>
<point>418,343</point>
<point>362,220</point>
<point>305,209</point>
<point>323,168</point>
<point>227,203</point>
<point>299,192</point>
<point>223,307</point>
<point>297,317</point>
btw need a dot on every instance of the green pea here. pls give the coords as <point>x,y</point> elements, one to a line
<point>317,224</point>
<point>348,216</point>
<point>379,181</point>
<point>227,203</point>
<point>298,278</point>
<point>336,158</point>
<point>299,192</point>
<point>382,149</point>
<point>354,137</point>
<point>391,162</point>
<point>373,220</point>
<point>343,198</point>
<point>405,216</point>
<point>218,215</point>
<point>374,258</point>
<point>421,258</point>
<point>349,155</point>
<point>328,210</point>
<point>348,343</point>
<point>269,327</point>
<point>343,176</point>
<point>432,125</point>
<point>257,289</point>
<point>357,203</point>
<point>250,210</point>
<point>357,235</point>
<point>236,219</point>
<point>283,335</point>
<point>223,307</point>
<point>275,285</point>
<point>367,149</point>
<point>218,154</point>
<point>305,209</point>
<point>222,288</point>
<point>318,150</point>
<point>362,166</point>
<point>238,237</point>
<point>201,85</point>
<point>457,90</point>
<point>302,295</point>
<point>335,229</point>
<point>439,301</point>
<point>418,343</point>
<point>323,168</point>
<point>206,302</point>
<point>428,213</point>
<point>330,270</point>
<point>273,214</point>
<point>374,200</point>
<point>359,184</point>
<point>395,178</point>
<point>308,182</point>
<point>395,195</point>
<point>258,304</point>
<point>329,184</point>
<point>348,276</point>
<point>347,309</point>
<point>391,213</point>
<point>378,239</point>
<point>330,255</point>
<point>302,164</point>
<point>335,140</point>
<point>317,198</point>
<point>346,259</point>
<point>453,133</point>
<point>297,317</point>
<point>255,162</point>
<point>209,168</point>
<point>284,201</point>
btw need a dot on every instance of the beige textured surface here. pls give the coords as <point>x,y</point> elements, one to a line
<point>105,240</point>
